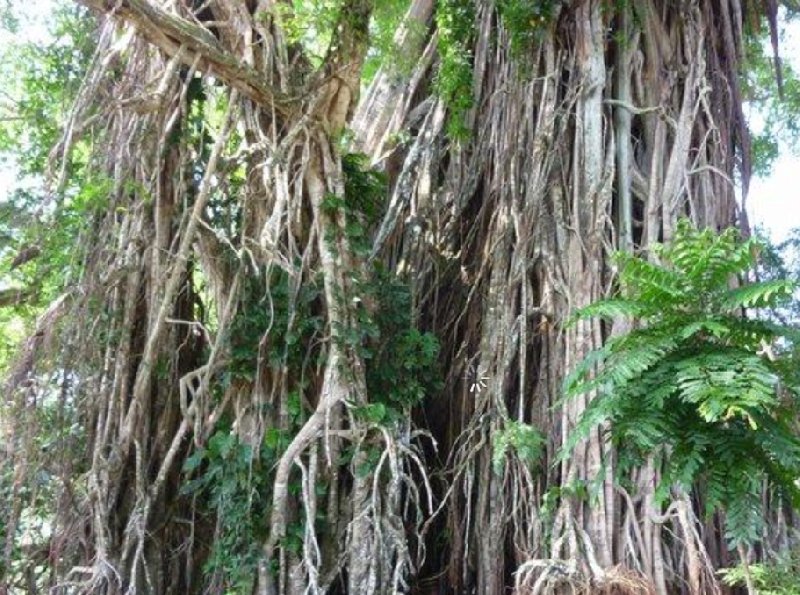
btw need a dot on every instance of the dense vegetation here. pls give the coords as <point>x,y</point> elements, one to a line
<point>349,296</point>
<point>709,394</point>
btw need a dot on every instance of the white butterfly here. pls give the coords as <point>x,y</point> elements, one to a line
<point>476,378</point>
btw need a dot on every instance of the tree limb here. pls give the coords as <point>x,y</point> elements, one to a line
<point>169,32</point>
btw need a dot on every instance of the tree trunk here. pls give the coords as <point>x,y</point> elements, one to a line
<point>591,127</point>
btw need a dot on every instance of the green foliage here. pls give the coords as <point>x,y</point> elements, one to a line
<point>526,21</point>
<point>236,485</point>
<point>525,441</point>
<point>41,80</point>
<point>455,22</point>
<point>401,361</point>
<point>363,204</point>
<point>386,19</point>
<point>365,188</point>
<point>276,320</point>
<point>309,23</point>
<point>778,577</point>
<point>775,119</point>
<point>692,385</point>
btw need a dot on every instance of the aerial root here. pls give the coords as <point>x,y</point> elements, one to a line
<point>550,576</point>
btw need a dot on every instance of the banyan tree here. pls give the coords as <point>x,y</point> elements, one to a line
<point>313,336</point>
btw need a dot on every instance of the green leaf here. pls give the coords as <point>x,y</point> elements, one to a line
<point>194,460</point>
<point>607,309</point>
<point>767,294</point>
<point>694,384</point>
<point>520,439</point>
<point>373,412</point>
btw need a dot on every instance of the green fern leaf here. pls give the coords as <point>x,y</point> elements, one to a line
<point>767,294</point>
<point>712,395</point>
<point>608,310</point>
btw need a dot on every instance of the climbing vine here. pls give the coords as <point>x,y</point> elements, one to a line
<point>455,22</point>
<point>277,324</point>
<point>526,22</point>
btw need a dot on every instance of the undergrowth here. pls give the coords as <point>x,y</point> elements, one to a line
<point>277,322</point>
<point>780,576</point>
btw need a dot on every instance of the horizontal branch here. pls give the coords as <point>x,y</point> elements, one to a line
<point>169,33</point>
<point>13,296</point>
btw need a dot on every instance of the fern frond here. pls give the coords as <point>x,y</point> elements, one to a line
<point>751,333</point>
<point>636,356</point>
<point>743,513</point>
<point>642,430</point>
<point>780,445</point>
<point>608,309</point>
<point>597,413</point>
<point>580,375</point>
<point>623,360</point>
<point>767,294</point>
<point>712,396</point>
<point>715,327</point>
<point>706,259</point>
<point>689,456</point>
<point>651,285</point>
<point>726,384</point>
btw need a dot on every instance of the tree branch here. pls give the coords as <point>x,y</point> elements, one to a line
<point>169,32</point>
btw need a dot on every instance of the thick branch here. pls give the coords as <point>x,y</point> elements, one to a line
<point>169,32</point>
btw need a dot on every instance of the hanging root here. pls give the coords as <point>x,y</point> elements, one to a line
<point>548,576</point>
<point>503,233</point>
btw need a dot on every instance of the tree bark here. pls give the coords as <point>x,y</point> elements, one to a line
<point>592,128</point>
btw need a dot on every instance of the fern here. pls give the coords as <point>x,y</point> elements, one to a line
<point>709,393</point>
<point>608,310</point>
<point>768,294</point>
